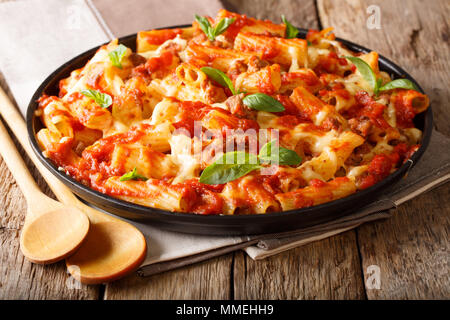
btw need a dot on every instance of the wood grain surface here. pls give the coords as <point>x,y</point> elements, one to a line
<point>206,280</point>
<point>411,249</point>
<point>327,269</point>
<point>414,34</point>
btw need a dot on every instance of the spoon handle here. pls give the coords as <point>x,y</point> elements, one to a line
<point>18,167</point>
<point>15,121</point>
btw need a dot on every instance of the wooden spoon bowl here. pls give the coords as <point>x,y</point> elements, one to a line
<point>111,250</point>
<point>53,235</point>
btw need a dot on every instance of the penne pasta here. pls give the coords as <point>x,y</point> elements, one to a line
<point>290,53</point>
<point>231,115</point>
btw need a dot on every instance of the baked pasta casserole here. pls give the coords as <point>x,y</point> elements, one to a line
<point>232,115</point>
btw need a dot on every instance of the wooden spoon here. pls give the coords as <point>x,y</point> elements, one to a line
<point>113,248</point>
<point>52,231</point>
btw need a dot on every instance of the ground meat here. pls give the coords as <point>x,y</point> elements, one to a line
<point>255,64</point>
<point>331,124</point>
<point>361,125</point>
<point>223,42</point>
<point>303,149</point>
<point>236,69</point>
<point>356,157</point>
<point>137,59</point>
<point>353,160</point>
<point>236,107</point>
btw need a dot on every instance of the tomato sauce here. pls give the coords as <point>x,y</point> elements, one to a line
<point>97,158</point>
<point>60,152</point>
<point>340,90</point>
<point>316,183</point>
<point>196,54</point>
<point>240,22</point>
<point>74,96</point>
<point>154,64</point>
<point>270,51</point>
<point>231,122</point>
<point>264,82</point>
<point>74,123</point>
<point>158,37</point>
<point>292,115</point>
<point>271,183</point>
<point>404,110</point>
<point>289,121</point>
<point>368,107</point>
<point>191,111</point>
<point>337,90</point>
<point>95,81</point>
<point>265,187</point>
<point>312,36</point>
<point>268,48</point>
<point>300,201</point>
<point>382,164</point>
<point>329,64</point>
<point>204,199</point>
<point>308,78</point>
<point>379,168</point>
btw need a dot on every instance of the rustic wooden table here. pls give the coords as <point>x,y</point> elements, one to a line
<point>411,249</point>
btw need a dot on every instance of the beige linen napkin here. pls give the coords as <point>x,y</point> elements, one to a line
<point>40,35</point>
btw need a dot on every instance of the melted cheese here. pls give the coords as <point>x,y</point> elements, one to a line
<point>181,153</point>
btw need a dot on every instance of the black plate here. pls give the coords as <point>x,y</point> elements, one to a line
<point>220,224</point>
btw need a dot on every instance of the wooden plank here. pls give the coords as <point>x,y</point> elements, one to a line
<point>301,13</point>
<point>206,280</point>
<point>327,269</point>
<point>412,248</point>
<point>20,279</point>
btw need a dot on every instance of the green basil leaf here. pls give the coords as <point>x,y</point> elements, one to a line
<point>399,84</point>
<point>309,43</point>
<point>219,77</point>
<point>268,153</point>
<point>263,102</point>
<point>117,55</point>
<point>104,100</point>
<point>229,167</point>
<point>132,175</point>
<point>213,32</point>
<point>205,26</point>
<point>366,71</point>
<point>377,87</point>
<point>222,26</point>
<point>291,31</point>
